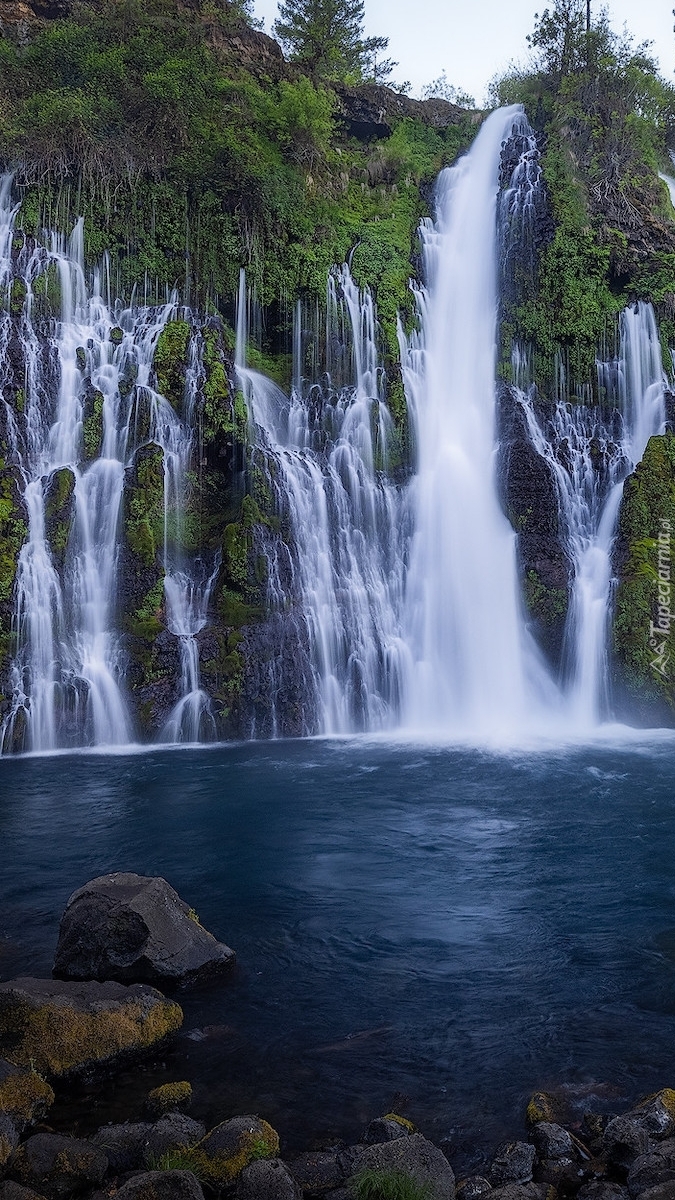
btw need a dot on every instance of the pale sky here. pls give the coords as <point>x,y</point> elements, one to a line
<point>472,40</point>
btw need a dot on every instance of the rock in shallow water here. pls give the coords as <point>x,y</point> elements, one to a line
<point>68,1029</point>
<point>134,928</point>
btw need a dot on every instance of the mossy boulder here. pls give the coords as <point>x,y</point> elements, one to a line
<point>116,335</point>
<point>231,1146</point>
<point>59,1166</point>
<point>24,1095</point>
<point>643,625</point>
<point>59,512</point>
<point>135,928</point>
<point>413,1156</point>
<point>65,1030</point>
<point>144,504</point>
<point>170,1097</point>
<point>170,361</point>
<point>543,1106</point>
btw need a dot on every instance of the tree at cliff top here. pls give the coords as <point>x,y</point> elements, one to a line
<point>607,117</point>
<point>326,37</point>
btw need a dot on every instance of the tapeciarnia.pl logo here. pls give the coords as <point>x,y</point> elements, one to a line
<point>660,631</point>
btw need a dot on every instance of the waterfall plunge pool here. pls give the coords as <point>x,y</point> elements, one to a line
<point>457,925</point>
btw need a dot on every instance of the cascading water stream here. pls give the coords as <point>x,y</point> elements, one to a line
<point>591,452</point>
<point>67,670</point>
<point>475,670</point>
<point>347,567</point>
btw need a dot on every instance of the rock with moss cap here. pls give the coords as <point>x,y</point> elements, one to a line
<point>136,928</point>
<point>170,1097</point>
<point>75,1029</point>
<point>24,1095</point>
<point>59,1166</point>
<point>413,1155</point>
<point>387,1129</point>
<point>231,1146</point>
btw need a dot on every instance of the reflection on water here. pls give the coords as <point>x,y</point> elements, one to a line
<point>459,926</point>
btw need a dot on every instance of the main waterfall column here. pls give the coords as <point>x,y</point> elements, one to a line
<point>473,661</point>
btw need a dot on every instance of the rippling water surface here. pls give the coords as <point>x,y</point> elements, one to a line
<point>455,925</point>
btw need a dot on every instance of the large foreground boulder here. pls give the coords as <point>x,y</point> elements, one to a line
<point>231,1146</point>
<point>69,1029</point>
<point>414,1156</point>
<point>136,929</point>
<point>161,1185</point>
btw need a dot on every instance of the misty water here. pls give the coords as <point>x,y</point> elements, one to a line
<point>456,925</point>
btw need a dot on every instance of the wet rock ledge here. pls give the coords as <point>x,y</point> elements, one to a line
<point>122,933</point>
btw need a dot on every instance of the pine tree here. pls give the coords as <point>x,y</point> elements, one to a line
<point>326,36</point>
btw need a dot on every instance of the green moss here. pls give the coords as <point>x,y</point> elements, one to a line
<point>92,425</point>
<point>144,505</point>
<point>13,532</point>
<point>60,1040</point>
<point>24,1095</point>
<point>18,297</point>
<point>146,621</point>
<point>644,644</point>
<point>548,605</point>
<point>170,361</point>
<point>169,1097</point>
<point>222,1155</point>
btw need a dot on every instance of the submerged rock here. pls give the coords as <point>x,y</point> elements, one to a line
<point>136,928</point>
<point>24,1095</point>
<point>416,1157</point>
<point>68,1029</point>
<point>59,1166</point>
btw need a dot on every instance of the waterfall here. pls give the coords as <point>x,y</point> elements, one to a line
<point>67,674</point>
<point>591,451</point>
<point>474,669</point>
<point>346,569</point>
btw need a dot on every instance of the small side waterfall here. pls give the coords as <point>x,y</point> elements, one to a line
<point>474,668</point>
<point>67,669</point>
<point>329,444</point>
<point>591,451</point>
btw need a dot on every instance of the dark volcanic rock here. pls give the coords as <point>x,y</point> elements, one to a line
<point>651,1169</point>
<point>9,1190</point>
<point>9,1138</point>
<point>321,1171</point>
<point>386,1129</point>
<point>552,1141</point>
<point>600,1189</point>
<point>512,1163</point>
<point>161,1185</point>
<point>71,1029</point>
<point>625,1139</point>
<point>414,1155</point>
<point>58,1166</point>
<point>175,1131</point>
<point>268,1179</point>
<point>473,1188</point>
<point>124,1145</point>
<point>530,498</point>
<point>131,927</point>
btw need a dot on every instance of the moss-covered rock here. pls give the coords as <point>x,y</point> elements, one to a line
<point>144,504</point>
<point>59,512</point>
<point>543,1107</point>
<point>169,1097</point>
<point>13,532</point>
<point>70,1029</point>
<point>222,1155</point>
<point>24,1095</point>
<point>92,423</point>
<point>161,1185</point>
<point>643,626</point>
<point>170,361</point>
